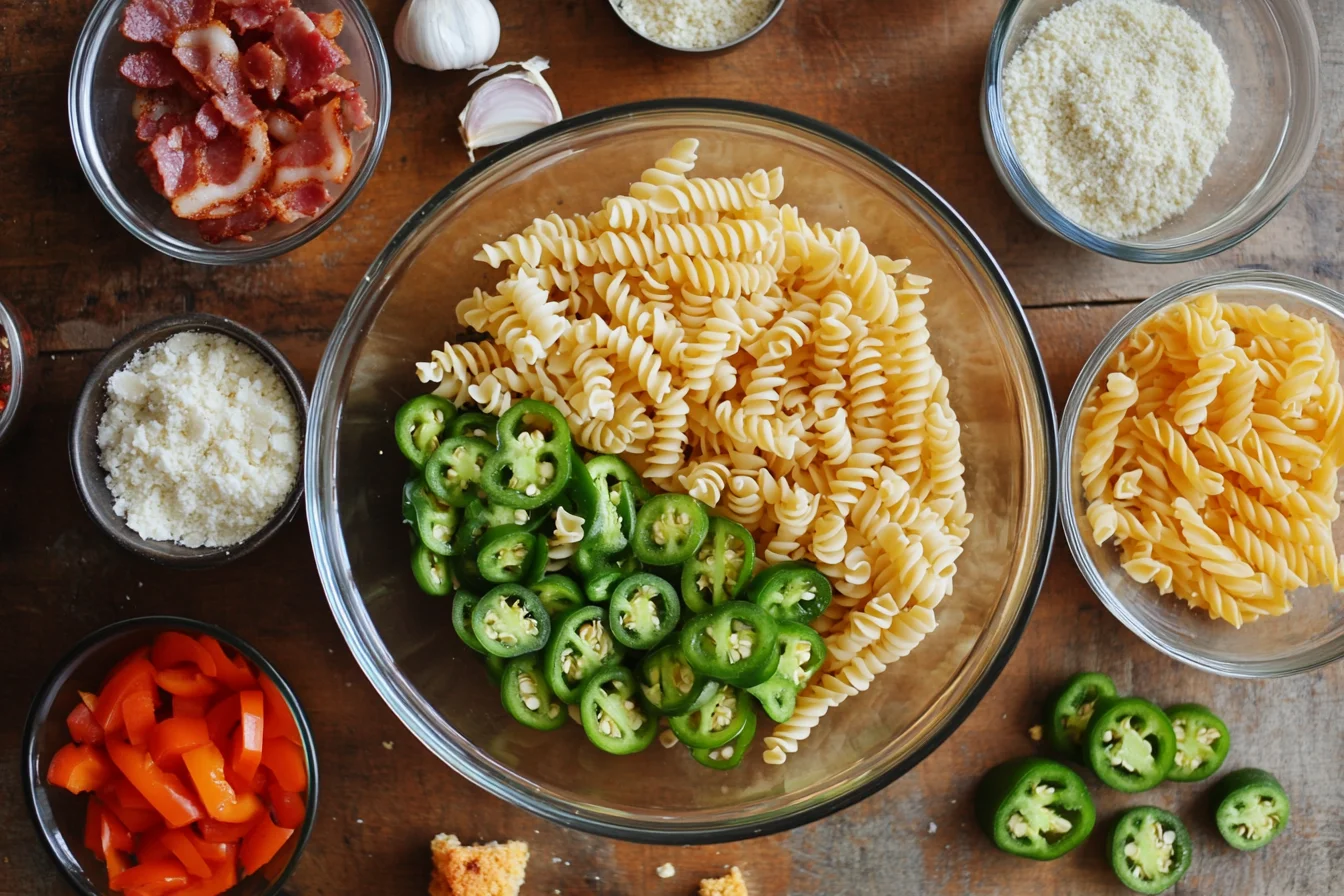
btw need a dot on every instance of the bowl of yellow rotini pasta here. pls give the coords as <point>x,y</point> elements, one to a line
<point>1200,450</point>
<point>745,317</point>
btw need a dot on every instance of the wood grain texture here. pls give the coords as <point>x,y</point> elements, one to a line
<point>904,76</point>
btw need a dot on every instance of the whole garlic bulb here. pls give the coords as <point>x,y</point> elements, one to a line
<point>446,34</point>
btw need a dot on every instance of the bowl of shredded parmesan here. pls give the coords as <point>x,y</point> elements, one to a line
<point>187,441</point>
<point>697,26</point>
<point>1152,130</point>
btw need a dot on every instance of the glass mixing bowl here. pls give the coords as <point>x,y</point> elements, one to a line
<point>1312,634</point>
<point>404,640</point>
<point>1274,62</point>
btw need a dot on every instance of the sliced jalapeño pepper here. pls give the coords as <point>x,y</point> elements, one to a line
<point>670,685</point>
<point>669,529</point>
<point>599,586</point>
<point>1070,711</point>
<point>613,717</point>
<point>615,475</point>
<point>801,653</point>
<point>494,668</point>
<point>1150,849</point>
<point>720,568</point>
<point>511,554</point>
<point>581,644</point>
<point>475,425</point>
<point>715,722</point>
<point>1202,742</point>
<point>735,642</point>
<point>644,610</point>
<point>582,496</point>
<point>435,523</point>
<point>464,602</point>
<point>532,464</point>
<point>730,755</point>
<point>1130,744</point>
<point>510,621</point>
<point>790,592</point>
<point>431,571</point>
<point>481,516</point>
<point>1251,808</point>
<point>527,696</point>
<point>1034,808</point>
<point>453,471</point>
<point>558,594</point>
<point>420,425</point>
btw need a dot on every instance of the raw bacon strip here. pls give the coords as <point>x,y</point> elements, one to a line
<point>255,214</point>
<point>159,111</point>
<point>304,201</point>
<point>176,161</point>
<point>154,67</point>
<point>229,169</point>
<point>330,24</point>
<point>159,21</point>
<point>265,70</point>
<point>354,110</point>
<point>282,126</point>
<point>332,85</point>
<point>250,15</point>
<point>309,56</point>
<point>211,56</point>
<point>210,122</point>
<point>320,152</point>
<point>237,109</point>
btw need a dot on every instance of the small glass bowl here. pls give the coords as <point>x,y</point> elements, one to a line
<point>775,7</point>
<point>1312,633</point>
<point>59,815</point>
<point>24,370</point>
<point>1273,58</point>
<point>102,128</point>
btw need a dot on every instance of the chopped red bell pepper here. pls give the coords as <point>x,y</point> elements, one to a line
<point>190,707</point>
<point>80,768</point>
<point>223,832</point>
<point>151,878</point>
<point>261,844</point>
<point>184,681</point>
<point>205,764</point>
<point>235,673</point>
<point>214,853</point>
<point>222,717</point>
<point>137,711</point>
<point>279,719</point>
<point>138,817</point>
<point>122,793</point>
<point>135,675</point>
<point>287,807</point>
<point>178,649</point>
<point>248,738</point>
<point>286,762</point>
<point>151,846</point>
<point>93,828</point>
<point>117,862</point>
<point>173,737</point>
<point>164,790</point>
<point>83,727</point>
<point>185,851</point>
<point>223,878</point>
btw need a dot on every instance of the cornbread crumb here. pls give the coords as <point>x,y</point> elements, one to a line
<point>490,869</point>
<point>731,884</point>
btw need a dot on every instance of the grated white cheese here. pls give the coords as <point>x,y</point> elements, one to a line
<point>199,440</point>
<point>666,870</point>
<point>694,24</point>
<point>1116,109</point>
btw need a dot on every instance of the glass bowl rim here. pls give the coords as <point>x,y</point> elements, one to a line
<point>374,658</point>
<point>32,778</point>
<point>1068,425</point>
<point>85,59</point>
<point>776,6</point>
<point>998,143</point>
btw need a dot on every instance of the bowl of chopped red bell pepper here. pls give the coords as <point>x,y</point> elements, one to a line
<point>166,757</point>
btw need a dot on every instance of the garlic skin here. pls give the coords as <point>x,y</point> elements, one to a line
<point>508,106</point>
<point>446,34</point>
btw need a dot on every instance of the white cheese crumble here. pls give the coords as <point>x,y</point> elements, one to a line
<point>694,24</point>
<point>1116,109</point>
<point>200,441</point>
<point>665,870</point>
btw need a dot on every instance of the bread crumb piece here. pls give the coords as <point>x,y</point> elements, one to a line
<point>1035,732</point>
<point>731,884</point>
<point>665,870</point>
<point>490,869</point>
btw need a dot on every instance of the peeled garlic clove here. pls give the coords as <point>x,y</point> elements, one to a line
<point>446,34</point>
<point>508,106</point>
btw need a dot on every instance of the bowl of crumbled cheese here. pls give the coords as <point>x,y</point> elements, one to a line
<point>697,26</point>
<point>187,441</point>
<point>1152,130</point>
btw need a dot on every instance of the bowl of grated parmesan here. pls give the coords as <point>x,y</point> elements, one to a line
<point>697,26</point>
<point>1152,130</point>
<point>187,441</point>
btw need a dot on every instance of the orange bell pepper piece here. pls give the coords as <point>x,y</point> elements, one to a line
<point>278,716</point>
<point>222,717</point>
<point>165,791</point>
<point>190,707</point>
<point>151,878</point>
<point>261,844</point>
<point>223,878</point>
<point>213,853</point>
<point>185,851</point>
<point>247,740</point>
<point>235,673</point>
<point>135,675</point>
<point>121,792</point>
<point>93,827</point>
<point>205,765</point>
<point>80,768</point>
<point>139,817</point>
<point>117,862</point>
<point>112,834</point>
<point>185,681</point>
<point>223,832</point>
<point>83,727</point>
<point>288,808</point>
<point>173,737</point>
<point>150,847</point>
<point>178,649</point>
<point>137,712</point>
<point>286,762</point>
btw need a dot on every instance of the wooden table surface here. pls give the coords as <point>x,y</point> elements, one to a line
<point>900,74</point>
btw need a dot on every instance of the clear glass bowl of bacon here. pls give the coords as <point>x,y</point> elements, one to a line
<point>228,131</point>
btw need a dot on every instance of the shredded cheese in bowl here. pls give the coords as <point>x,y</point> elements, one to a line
<point>694,24</point>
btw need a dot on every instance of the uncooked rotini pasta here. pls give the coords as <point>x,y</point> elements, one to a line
<point>1211,456</point>
<point>776,369</point>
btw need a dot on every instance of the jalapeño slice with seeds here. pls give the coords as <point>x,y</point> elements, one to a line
<point>435,522</point>
<point>558,594</point>
<point>1130,744</point>
<point>644,610</point>
<point>730,755</point>
<point>734,642</point>
<point>720,568</point>
<point>669,529</point>
<point>580,645</point>
<point>1034,808</point>
<point>532,464</point>
<point>1071,710</point>
<point>801,653</point>
<point>1202,742</point>
<point>715,722</point>
<point>431,571</point>
<point>1149,849</point>
<point>612,715</point>
<point>510,621</point>
<point>1251,808</point>
<point>453,471</point>
<point>464,602</point>
<point>528,698</point>
<point>475,425</point>
<point>510,554</point>
<point>790,592</point>
<point>670,685</point>
<point>420,425</point>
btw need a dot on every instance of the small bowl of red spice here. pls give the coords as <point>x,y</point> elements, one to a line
<point>167,756</point>
<point>233,131</point>
<point>18,370</point>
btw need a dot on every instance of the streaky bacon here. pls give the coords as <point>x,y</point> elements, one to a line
<point>332,85</point>
<point>309,55</point>
<point>210,54</point>
<point>264,70</point>
<point>320,152</point>
<point>209,122</point>
<point>252,15</point>
<point>160,21</point>
<point>153,67</point>
<point>159,111</point>
<point>229,168</point>
<point>236,108</point>
<point>176,157</point>
<point>304,201</point>
<point>354,110</point>
<point>282,126</point>
<point>255,213</point>
<point>330,24</point>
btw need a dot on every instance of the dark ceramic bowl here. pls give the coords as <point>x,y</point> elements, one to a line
<point>90,478</point>
<point>59,815</point>
<point>23,376</point>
